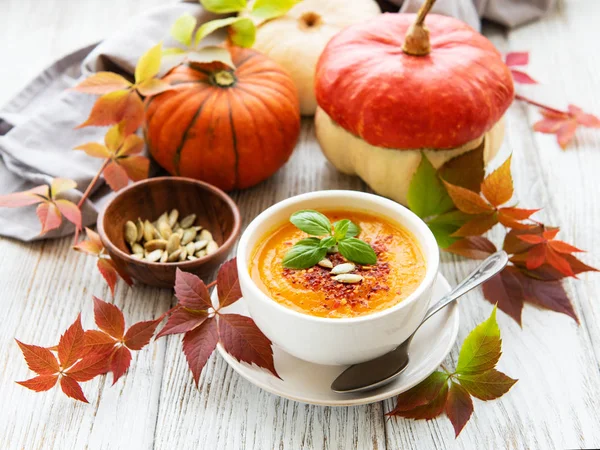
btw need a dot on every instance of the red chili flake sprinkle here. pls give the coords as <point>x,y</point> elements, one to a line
<point>319,279</point>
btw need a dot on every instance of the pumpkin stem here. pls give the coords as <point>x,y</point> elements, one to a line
<point>224,78</point>
<point>416,42</point>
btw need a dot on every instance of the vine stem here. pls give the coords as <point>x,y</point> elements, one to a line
<point>88,190</point>
<point>210,285</point>
<point>539,105</point>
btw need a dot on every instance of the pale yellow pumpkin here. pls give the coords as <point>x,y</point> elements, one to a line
<point>296,40</point>
<point>388,171</point>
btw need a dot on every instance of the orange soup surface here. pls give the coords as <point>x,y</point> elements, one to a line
<point>399,270</point>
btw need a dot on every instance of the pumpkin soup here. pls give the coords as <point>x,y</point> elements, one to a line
<point>336,286</point>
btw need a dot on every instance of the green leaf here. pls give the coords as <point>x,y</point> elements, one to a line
<point>481,349</point>
<point>212,26</point>
<point>340,228</point>
<point>304,254</point>
<point>487,385</point>
<point>223,6</point>
<point>243,32</point>
<point>357,251</point>
<point>328,242</point>
<point>211,54</point>
<point>270,9</point>
<point>427,196</point>
<point>149,64</point>
<point>311,222</point>
<point>351,231</point>
<point>444,225</point>
<point>183,29</point>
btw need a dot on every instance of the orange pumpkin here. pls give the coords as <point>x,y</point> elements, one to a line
<point>231,128</point>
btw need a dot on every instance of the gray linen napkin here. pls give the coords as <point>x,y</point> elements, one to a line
<point>37,132</point>
<point>510,13</point>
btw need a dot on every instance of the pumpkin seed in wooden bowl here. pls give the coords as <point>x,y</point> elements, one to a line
<point>156,226</point>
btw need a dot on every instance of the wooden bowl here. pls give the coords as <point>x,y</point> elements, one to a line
<point>148,199</point>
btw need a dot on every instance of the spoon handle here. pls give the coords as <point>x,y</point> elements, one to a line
<point>486,270</point>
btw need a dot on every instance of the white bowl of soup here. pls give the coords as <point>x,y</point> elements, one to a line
<point>312,316</point>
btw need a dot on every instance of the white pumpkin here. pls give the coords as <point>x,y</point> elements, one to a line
<point>388,171</point>
<point>297,39</point>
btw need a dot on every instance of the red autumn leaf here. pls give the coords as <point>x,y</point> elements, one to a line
<point>92,246</point>
<point>109,318</point>
<point>548,273</point>
<point>545,249</point>
<point>477,226</point>
<point>39,359</point>
<point>512,217</point>
<point>549,295</point>
<point>506,291</point>
<point>70,210</point>
<point>487,385</point>
<point>120,360</point>
<point>110,271</point>
<point>89,367</point>
<point>497,187</point>
<point>72,389</point>
<point>115,176</point>
<point>117,106</point>
<point>49,216</point>
<point>466,170</point>
<point>228,284</point>
<point>468,201</point>
<point>40,383</point>
<point>517,59</point>
<point>564,124</point>
<point>102,83</point>
<point>70,347</point>
<point>244,341</point>
<point>30,197</point>
<point>521,77</point>
<point>139,334</point>
<point>183,320</point>
<point>198,345</point>
<point>459,407</point>
<point>474,247</point>
<point>422,394</point>
<point>191,291</point>
<point>98,342</point>
<point>428,410</point>
<point>513,244</point>
<point>136,167</point>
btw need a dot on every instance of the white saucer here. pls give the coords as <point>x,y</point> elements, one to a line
<point>309,383</point>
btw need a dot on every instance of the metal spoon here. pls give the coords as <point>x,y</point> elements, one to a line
<point>382,370</point>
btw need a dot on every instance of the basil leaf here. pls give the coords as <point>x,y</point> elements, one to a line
<point>357,251</point>
<point>304,254</point>
<point>311,222</point>
<point>345,228</point>
<point>328,242</point>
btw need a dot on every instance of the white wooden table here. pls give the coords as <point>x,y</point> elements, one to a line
<point>43,286</point>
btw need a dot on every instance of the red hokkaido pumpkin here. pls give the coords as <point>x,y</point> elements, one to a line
<point>230,128</point>
<point>395,86</point>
